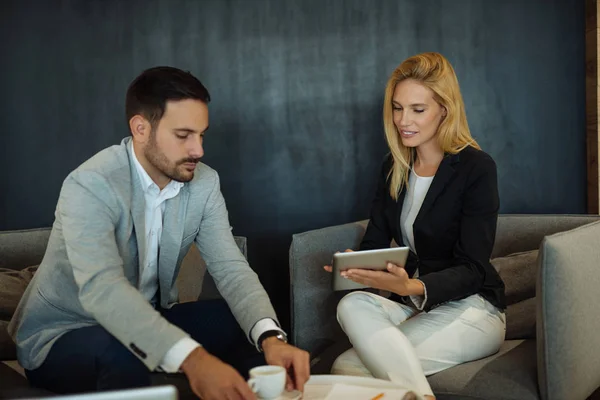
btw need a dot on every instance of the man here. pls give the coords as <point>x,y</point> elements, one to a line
<point>102,312</point>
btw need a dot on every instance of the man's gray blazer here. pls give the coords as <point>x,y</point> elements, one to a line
<point>90,272</point>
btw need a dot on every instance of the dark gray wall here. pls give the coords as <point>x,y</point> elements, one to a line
<point>297,87</point>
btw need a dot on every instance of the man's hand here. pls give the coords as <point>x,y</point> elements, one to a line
<point>212,379</point>
<point>294,360</point>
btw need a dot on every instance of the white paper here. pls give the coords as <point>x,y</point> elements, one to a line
<point>350,392</point>
<point>316,392</point>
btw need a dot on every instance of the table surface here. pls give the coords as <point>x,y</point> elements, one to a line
<point>319,386</point>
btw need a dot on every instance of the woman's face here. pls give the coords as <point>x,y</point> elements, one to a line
<point>416,114</point>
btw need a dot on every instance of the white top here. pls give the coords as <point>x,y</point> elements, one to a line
<point>148,283</point>
<point>416,191</point>
<point>413,200</point>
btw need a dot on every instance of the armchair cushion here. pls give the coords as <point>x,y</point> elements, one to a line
<point>12,286</point>
<point>518,271</point>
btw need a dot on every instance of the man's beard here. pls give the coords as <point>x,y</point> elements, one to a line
<point>159,161</point>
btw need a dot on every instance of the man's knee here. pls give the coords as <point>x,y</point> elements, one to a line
<point>119,368</point>
<point>89,359</point>
<point>122,371</point>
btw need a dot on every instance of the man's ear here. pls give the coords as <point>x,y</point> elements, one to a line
<point>140,128</point>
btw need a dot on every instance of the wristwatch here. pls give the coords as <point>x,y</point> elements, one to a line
<point>270,333</point>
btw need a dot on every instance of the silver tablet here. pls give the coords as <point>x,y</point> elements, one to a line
<point>366,259</point>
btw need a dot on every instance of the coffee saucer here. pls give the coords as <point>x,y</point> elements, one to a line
<point>292,395</point>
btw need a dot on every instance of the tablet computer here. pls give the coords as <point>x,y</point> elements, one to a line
<point>366,259</point>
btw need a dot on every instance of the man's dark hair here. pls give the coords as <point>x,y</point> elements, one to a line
<point>148,93</point>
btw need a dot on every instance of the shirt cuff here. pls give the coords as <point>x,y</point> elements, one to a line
<point>263,325</point>
<point>172,361</point>
<point>420,300</point>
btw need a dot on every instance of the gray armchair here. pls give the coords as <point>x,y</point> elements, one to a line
<point>563,363</point>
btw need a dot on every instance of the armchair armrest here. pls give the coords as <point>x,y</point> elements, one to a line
<point>567,310</point>
<point>313,302</point>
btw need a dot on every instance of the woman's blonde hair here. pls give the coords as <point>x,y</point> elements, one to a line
<point>435,72</point>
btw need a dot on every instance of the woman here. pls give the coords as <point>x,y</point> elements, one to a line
<point>438,195</point>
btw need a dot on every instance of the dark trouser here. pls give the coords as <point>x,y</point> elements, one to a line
<point>91,359</point>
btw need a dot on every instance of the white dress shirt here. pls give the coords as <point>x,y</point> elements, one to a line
<point>148,283</point>
<point>413,200</point>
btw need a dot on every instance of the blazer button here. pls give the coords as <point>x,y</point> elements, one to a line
<point>138,351</point>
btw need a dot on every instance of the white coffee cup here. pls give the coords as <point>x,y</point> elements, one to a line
<point>267,381</point>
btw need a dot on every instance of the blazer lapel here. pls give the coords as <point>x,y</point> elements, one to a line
<point>399,205</point>
<point>440,180</point>
<point>170,242</point>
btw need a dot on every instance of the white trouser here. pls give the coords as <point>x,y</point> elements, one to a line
<point>396,342</point>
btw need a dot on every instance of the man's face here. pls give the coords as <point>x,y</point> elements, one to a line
<point>175,144</point>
